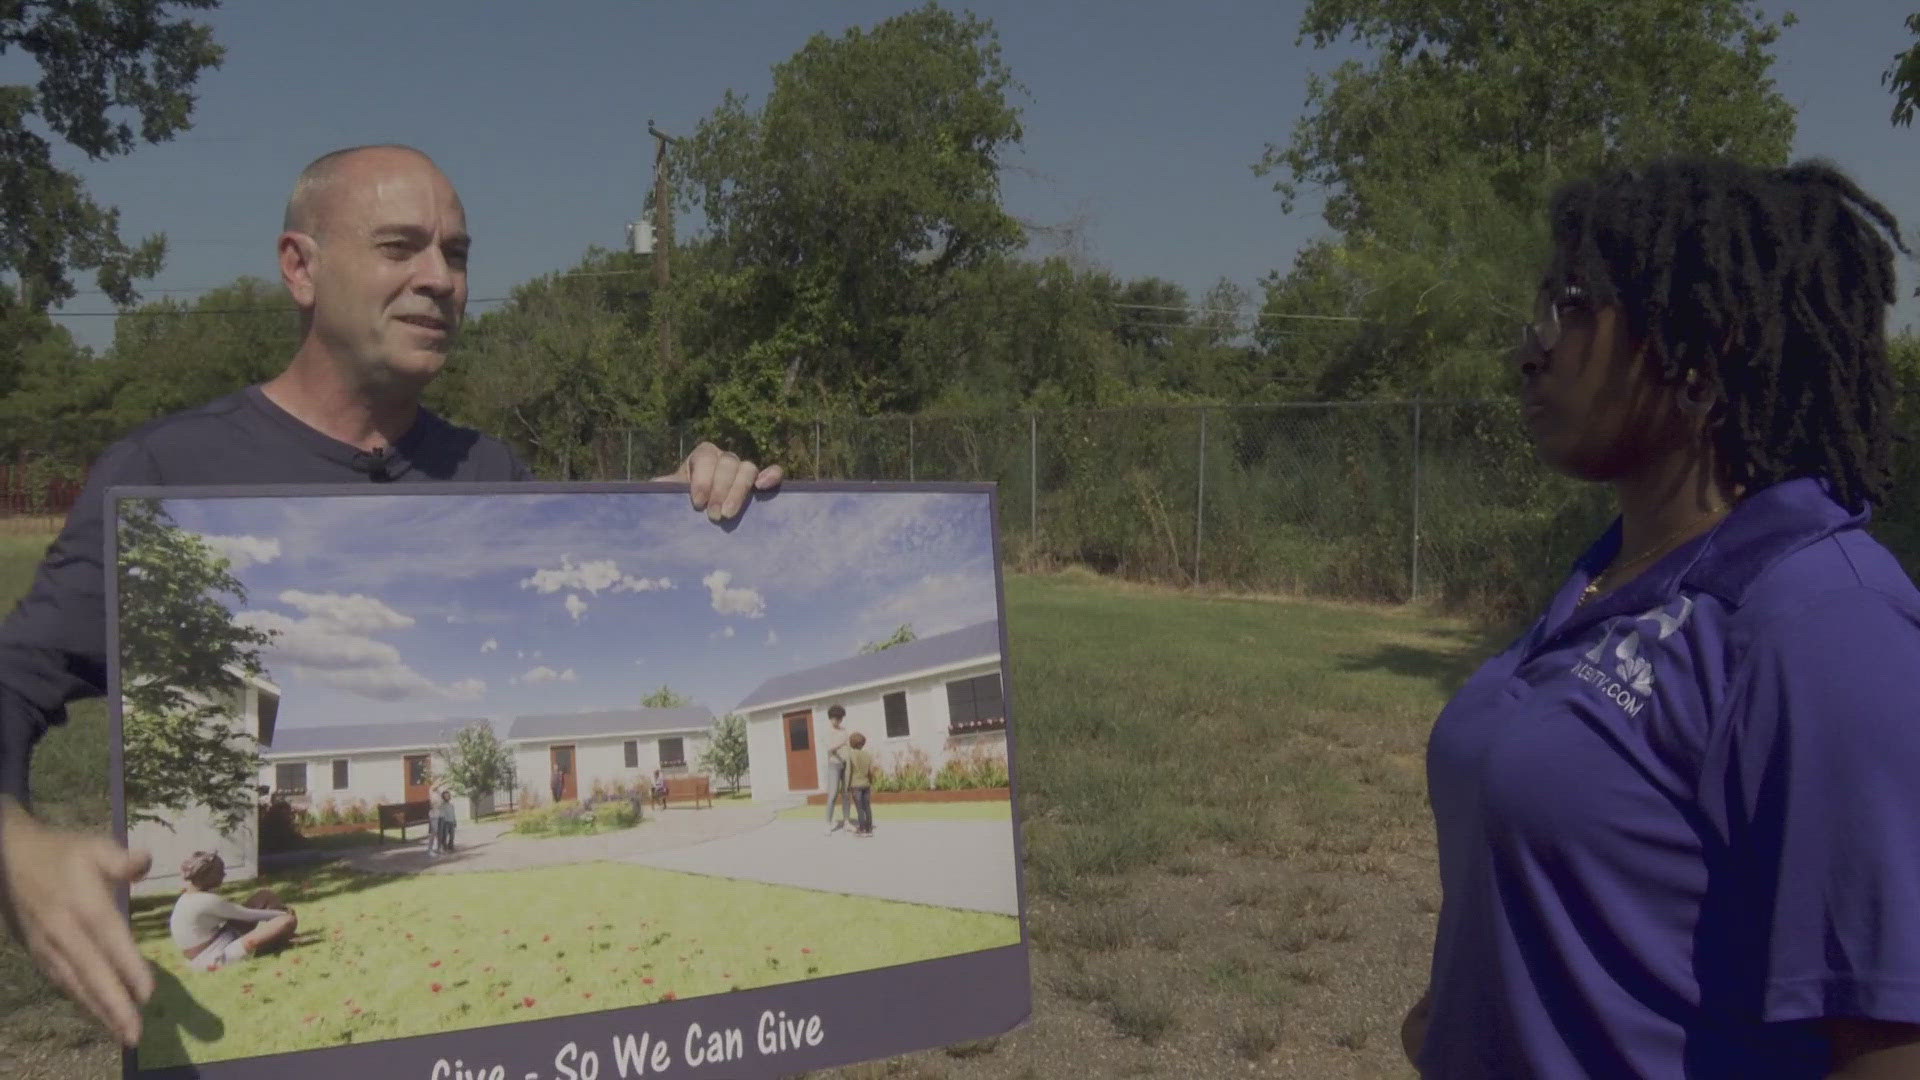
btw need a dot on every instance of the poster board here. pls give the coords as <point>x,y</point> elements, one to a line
<point>549,661</point>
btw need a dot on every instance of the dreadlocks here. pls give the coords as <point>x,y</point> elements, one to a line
<point>1772,283</point>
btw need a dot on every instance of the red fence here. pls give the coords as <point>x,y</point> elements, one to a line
<point>31,491</point>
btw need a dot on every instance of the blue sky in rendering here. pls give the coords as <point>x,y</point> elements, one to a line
<point>421,607</point>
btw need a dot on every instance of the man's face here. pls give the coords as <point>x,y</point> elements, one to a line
<point>387,277</point>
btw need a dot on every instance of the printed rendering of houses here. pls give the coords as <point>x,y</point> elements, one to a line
<point>939,694</point>
<point>618,746</point>
<point>252,711</point>
<point>372,763</point>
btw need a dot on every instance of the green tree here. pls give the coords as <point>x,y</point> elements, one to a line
<point>170,355</point>
<point>476,762</point>
<point>1903,78</point>
<point>1436,158</point>
<point>665,698</point>
<point>182,661</point>
<point>841,214</point>
<point>104,68</point>
<point>558,367</point>
<point>900,636</point>
<point>726,752</point>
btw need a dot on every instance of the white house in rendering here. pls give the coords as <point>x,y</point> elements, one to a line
<point>940,694</point>
<point>616,746</point>
<point>369,763</point>
<point>250,710</point>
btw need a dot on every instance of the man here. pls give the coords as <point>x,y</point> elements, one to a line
<point>558,783</point>
<point>374,253</point>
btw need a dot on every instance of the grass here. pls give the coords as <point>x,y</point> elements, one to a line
<point>1201,777</point>
<point>382,957</point>
<point>912,811</point>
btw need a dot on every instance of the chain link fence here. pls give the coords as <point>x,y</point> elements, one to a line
<point>1432,501</point>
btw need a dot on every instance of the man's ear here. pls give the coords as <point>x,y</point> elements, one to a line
<point>298,252</point>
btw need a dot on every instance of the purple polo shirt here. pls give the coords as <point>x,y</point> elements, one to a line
<point>1678,820</point>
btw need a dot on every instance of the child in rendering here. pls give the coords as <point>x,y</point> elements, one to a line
<point>860,783</point>
<point>213,931</point>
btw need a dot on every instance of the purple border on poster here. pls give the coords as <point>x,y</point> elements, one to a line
<point>861,1016</point>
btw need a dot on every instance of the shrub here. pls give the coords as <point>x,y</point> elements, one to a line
<point>617,815</point>
<point>278,830</point>
<point>358,813</point>
<point>329,813</point>
<point>912,771</point>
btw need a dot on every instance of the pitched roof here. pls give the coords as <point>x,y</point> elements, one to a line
<point>349,738</point>
<point>612,722</point>
<point>980,641</point>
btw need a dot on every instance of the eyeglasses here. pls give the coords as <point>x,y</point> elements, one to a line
<point>1543,334</point>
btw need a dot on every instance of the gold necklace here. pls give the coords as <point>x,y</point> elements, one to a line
<point>1667,543</point>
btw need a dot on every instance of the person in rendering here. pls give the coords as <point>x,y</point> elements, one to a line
<point>558,783</point>
<point>659,788</point>
<point>860,783</point>
<point>213,931</point>
<point>837,794</point>
<point>443,822</point>
<point>1678,819</point>
<point>373,251</point>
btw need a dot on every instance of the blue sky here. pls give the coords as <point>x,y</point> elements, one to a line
<point>421,607</point>
<point>1142,122</point>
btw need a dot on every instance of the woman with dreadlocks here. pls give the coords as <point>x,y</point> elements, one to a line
<point>1679,820</point>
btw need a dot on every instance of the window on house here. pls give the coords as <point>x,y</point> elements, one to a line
<point>975,704</point>
<point>673,753</point>
<point>633,753</point>
<point>290,779</point>
<point>896,706</point>
<point>340,774</point>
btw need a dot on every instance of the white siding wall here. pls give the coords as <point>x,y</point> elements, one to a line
<point>603,759</point>
<point>866,713</point>
<point>195,830</point>
<point>373,778</point>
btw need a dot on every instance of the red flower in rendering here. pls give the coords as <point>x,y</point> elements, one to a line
<point>527,1001</point>
<point>436,988</point>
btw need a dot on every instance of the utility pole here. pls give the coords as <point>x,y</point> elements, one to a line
<point>662,239</point>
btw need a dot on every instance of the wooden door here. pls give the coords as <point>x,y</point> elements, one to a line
<point>803,769</point>
<point>419,779</point>
<point>562,759</point>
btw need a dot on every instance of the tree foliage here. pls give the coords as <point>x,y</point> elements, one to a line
<point>112,75</point>
<point>726,752</point>
<point>183,659</point>
<point>903,634</point>
<point>1436,159</point>
<point>840,213</point>
<point>665,698</point>
<point>1903,78</point>
<point>476,762</point>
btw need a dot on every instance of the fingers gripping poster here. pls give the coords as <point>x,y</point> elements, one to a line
<point>563,782</point>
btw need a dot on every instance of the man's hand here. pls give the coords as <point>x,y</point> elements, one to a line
<point>57,891</point>
<point>721,483</point>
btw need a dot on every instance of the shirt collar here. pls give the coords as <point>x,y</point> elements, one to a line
<point>1763,528</point>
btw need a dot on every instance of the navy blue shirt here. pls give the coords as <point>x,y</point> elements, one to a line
<point>1681,820</point>
<point>53,646</point>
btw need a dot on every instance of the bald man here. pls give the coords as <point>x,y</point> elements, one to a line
<point>374,252</point>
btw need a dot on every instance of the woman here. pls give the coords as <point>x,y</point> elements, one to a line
<point>1679,821</point>
<point>213,931</point>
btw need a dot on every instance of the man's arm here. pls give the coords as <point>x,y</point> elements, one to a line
<point>53,646</point>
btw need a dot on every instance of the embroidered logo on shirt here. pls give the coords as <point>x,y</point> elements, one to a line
<point>1630,683</point>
